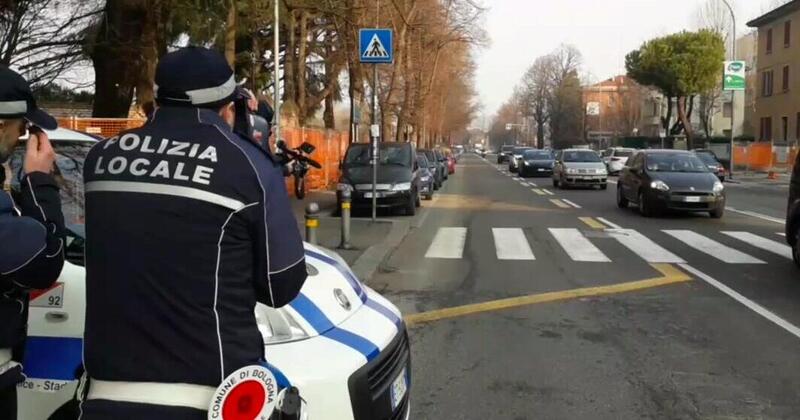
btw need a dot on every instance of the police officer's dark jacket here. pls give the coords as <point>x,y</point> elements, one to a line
<point>31,257</point>
<point>188,225</point>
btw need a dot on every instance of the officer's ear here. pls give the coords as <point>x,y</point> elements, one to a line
<point>228,113</point>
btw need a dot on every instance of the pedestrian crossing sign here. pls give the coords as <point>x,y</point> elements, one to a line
<point>376,46</point>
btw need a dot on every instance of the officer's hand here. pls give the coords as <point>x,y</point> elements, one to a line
<point>39,156</point>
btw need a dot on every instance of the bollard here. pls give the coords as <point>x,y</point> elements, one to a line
<point>312,222</point>
<point>346,204</point>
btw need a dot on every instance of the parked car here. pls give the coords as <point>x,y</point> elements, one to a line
<point>579,168</point>
<point>515,158</point>
<point>537,163</point>
<point>442,159</point>
<point>427,181</point>
<point>504,153</point>
<point>437,168</point>
<point>793,212</point>
<point>302,341</point>
<point>659,180</point>
<point>710,159</point>
<point>398,181</point>
<point>615,158</point>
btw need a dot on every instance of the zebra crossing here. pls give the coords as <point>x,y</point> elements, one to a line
<point>582,245</point>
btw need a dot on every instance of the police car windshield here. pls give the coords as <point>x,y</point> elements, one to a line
<point>70,156</point>
<point>394,155</point>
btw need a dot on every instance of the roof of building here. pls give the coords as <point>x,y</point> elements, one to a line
<point>775,14</point>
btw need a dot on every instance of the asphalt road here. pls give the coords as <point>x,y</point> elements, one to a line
<point>520,309</point>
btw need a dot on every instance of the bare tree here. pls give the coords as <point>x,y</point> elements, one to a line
<point>565,107</point>
<point>535,91</point>
<point>43,38</point>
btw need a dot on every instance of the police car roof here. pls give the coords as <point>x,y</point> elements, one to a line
<point>63,134</point>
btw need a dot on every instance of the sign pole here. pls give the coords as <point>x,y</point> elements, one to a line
<point>375,146</point>
<point>276,76</point>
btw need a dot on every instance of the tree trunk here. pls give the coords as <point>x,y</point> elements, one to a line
<point>289,85</point>
<point>300,62</point>
<point>684,117</point>
<point>230,35</point>
<point>150,47</point>
<point>665,121</point>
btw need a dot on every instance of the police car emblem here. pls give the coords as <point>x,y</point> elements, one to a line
<point>344,302</point>
<point>249,393</point>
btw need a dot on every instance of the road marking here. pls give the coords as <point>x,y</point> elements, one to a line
<point>712,247</point>
<point>609,223</point>
<point>511,244</point>
<point>644,247</point>
<point>516,178</point>
<point>594,224</point>
<point>611,182</point>
<point>781,234</point>
<point>766,313</point>
<point>757,215</point>
<point>570,203</point>
<point>669,275</point>
<point>560,203</point>
<point>762,243</point>
<point>531,184</point>
<point>538,191</point>
<point>448,243</point>
<point>577,246</point>
<point>548,192</point>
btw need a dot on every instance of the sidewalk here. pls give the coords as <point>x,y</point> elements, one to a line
<point>760,178</point>
<point>371,241</point>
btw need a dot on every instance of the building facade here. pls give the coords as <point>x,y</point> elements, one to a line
<point>777,98</point>
<point>613,108</point>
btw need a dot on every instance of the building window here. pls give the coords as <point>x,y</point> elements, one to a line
<point>766,129</point>
<point>769,41</point>
<point>766,83</point>
<point>785,128</point>
<point>787,34</point>
<point>785,78</point>
<point>727,110</point>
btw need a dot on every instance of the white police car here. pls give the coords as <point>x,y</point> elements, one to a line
<point>340,343</point>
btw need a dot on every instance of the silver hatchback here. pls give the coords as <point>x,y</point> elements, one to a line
<point>579,168</point>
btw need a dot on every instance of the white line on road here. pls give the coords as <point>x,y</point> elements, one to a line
<point>644,247</point>
<point>531,184</point>
<point>511,244</point>
<point>448,243</point>
<point>611,182</point>
<point>548,192</point>
<point>577,246</point>
<point>766,313</point>
<point>757,215</point>
<point>781,234</point>
<point>762,243</point>
<point>559,203</point>
<point>613,225</point>
<point>537,191</point>
<point>570,203</point>
<point>712,247</point>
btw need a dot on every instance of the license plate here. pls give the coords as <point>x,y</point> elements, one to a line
<point>541,169</point>
<point>692,199</point>
<point>369,195</point>
<point>399,389</point>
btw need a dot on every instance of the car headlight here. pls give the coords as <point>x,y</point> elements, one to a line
<point>343,186</point>
<point>659,185</point>
<point>425,178</point>
<point>278,325</point>
<point>718,187</point>
<point>401,186</point>
<point>572,171</point>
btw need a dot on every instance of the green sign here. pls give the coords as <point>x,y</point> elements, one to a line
<point>734,75</point>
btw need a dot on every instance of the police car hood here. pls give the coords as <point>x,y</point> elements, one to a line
<point>330,295</point>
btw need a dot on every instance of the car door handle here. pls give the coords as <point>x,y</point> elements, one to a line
<point>56,316</point>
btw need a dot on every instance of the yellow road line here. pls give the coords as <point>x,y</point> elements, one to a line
<point>561,204</point>
<point>669,275</point>
<point>594,224</point>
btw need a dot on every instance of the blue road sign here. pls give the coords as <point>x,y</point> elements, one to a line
<point>376,46</point>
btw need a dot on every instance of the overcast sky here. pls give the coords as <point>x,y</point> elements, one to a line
<point>603,30</point>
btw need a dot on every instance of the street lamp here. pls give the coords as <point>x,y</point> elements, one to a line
<point>733,92</point>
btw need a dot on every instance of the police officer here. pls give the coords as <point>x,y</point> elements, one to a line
<point>31,230</point>
<point>188,226</point>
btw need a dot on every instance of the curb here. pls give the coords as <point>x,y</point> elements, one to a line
<point>367,264</point>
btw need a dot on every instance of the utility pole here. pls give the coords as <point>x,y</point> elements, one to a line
<point>733,92</point>
<point>276,30</point>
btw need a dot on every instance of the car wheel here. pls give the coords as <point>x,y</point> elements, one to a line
<point>644,207</point>
<point>796,249</point>
<point>622,202</point>
<point>555,183</point>
<point>717,213</point>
